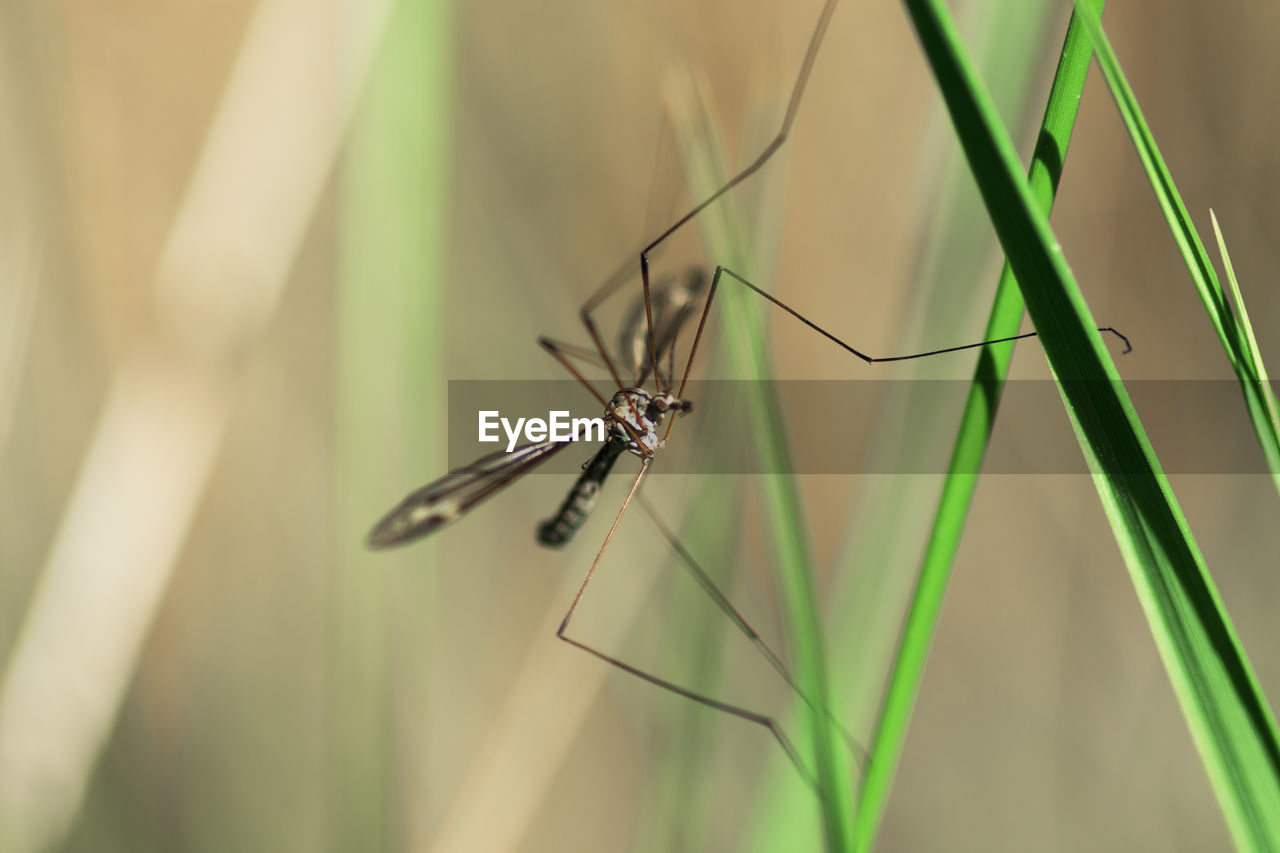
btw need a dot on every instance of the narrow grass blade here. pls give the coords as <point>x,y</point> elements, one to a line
<point>784,514</point>
<point>970,448</point>
<point>1236,341</point>
<point>1229,719</point>
<point>387,373</point>
<point>679,800</point>
<point>1270,448</point>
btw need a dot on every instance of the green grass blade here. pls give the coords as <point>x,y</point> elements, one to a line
<point>1229,719</point>
<point>681,801</point>
<point>746,341</point>
<point>1270,448</point>
<point>392,249</point>
<point>1235,341</point>
<point>970,448</point>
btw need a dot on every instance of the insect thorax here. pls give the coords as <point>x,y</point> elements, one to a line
<point>644,413</point>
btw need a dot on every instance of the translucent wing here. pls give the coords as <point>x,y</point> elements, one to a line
<point>453,495</point>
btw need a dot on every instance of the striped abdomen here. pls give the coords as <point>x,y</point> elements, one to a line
<point>559,529</point>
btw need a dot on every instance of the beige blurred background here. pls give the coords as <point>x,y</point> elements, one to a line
<point>199,655</point>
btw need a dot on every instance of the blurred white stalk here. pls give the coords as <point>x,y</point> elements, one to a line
<point>270,149</point>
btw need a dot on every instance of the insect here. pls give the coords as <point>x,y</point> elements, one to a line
<point>640,414</point>
<point>633,417</point>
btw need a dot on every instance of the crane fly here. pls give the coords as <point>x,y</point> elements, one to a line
<point>633,418</point>
<point>639,420</point>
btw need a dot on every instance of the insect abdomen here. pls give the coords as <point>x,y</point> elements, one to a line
<point>561,527</point>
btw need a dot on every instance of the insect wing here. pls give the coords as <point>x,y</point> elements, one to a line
<point>453,495</point>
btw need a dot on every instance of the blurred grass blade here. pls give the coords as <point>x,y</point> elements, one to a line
<point>1271,449</point>
<point>1229,719</point>
<point>1240,349</point>
<point>712,523</point>
<point>389,304</point>
<point>970,448</point>
<point>747,345</point>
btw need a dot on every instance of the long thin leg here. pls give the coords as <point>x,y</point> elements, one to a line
<point>562,355</point>
<point>713,592</point>
<point>697,336</point>
<point>751,716</point>
<point>722,601</point>
<point>671,359</point>
<point>613,282</point>
<point>793,106</point>
<point>870,359</point>
<point>627,268</point>
<point>590,356</point>
<point>693,350</point>
<point>644,469</point>
<point>760,719</point>
<point>619,277</point>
